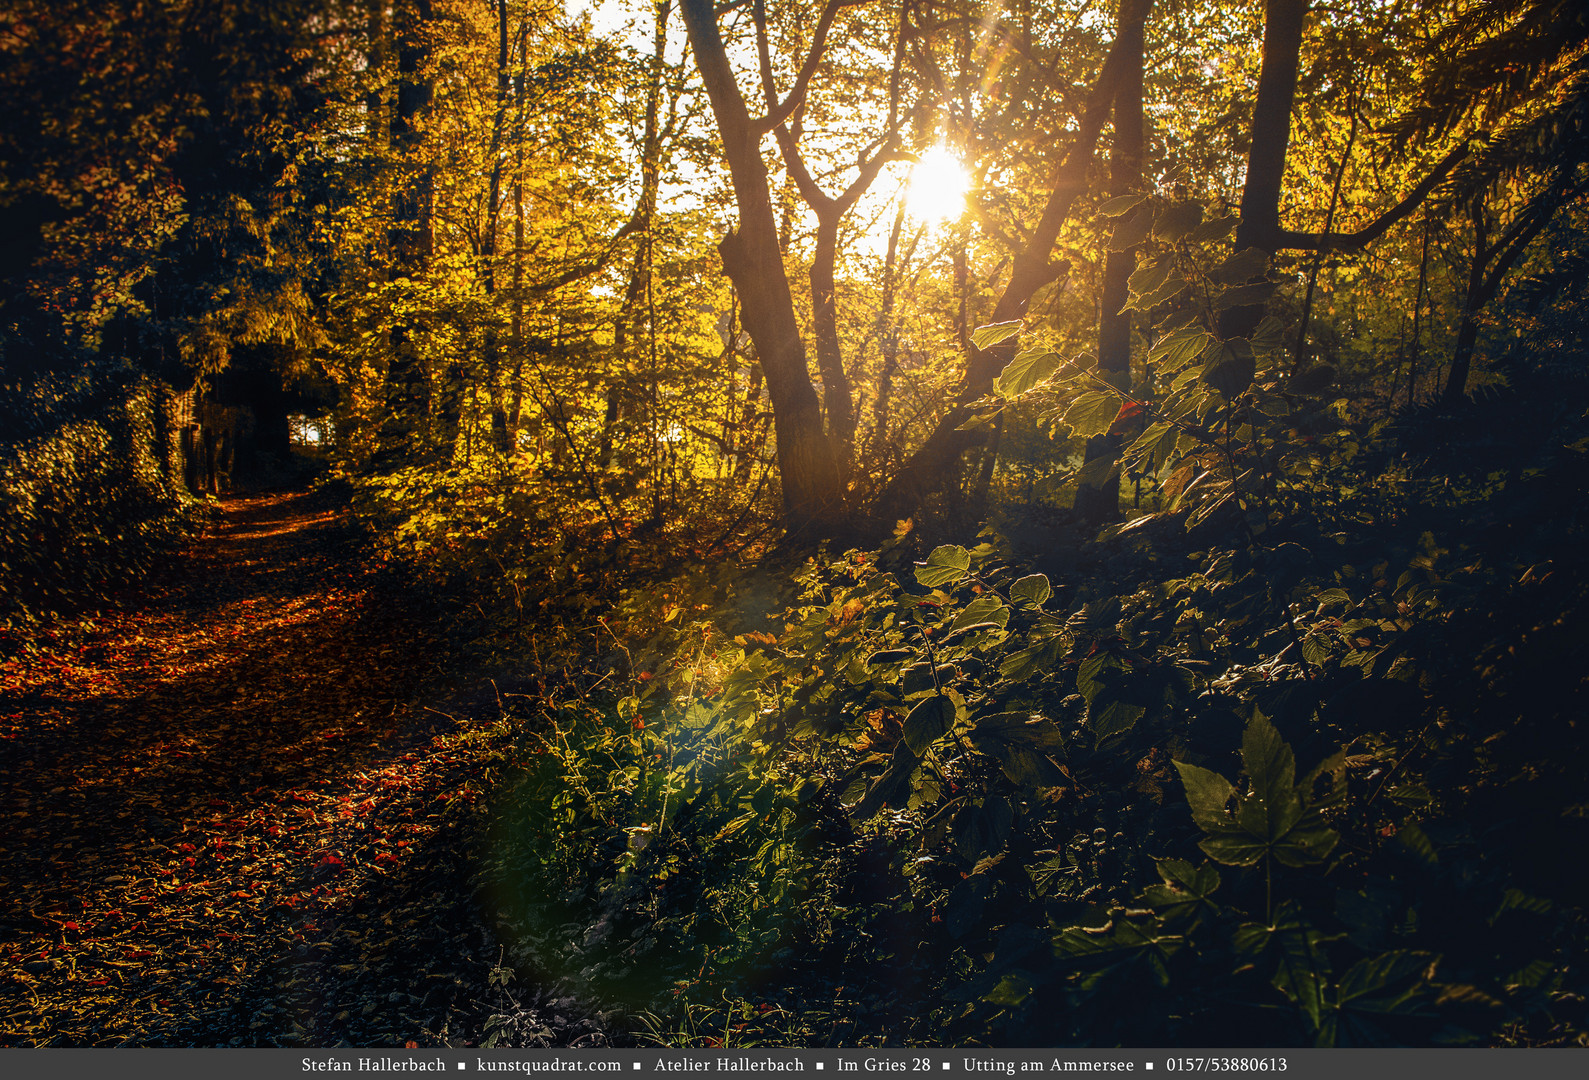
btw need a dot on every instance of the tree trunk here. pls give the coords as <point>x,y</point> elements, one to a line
<point>1099,503</point>
<point>1271,138</point>
<point>813,494</point>
<point>403,434</point>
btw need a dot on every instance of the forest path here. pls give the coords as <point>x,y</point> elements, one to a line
<point>225,818</point>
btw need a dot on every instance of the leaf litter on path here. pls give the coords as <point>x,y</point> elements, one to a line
<point>224,818</point>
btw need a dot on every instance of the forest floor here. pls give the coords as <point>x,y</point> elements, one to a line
<point>238,809</point>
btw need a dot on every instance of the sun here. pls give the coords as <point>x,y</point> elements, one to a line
<point>937,187</point>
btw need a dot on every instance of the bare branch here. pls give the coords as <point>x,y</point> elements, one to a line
<point>1357,241</point>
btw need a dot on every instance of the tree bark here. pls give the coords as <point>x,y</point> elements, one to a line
<point>403,434</point>
<point>813,494</point>
<point>1271,138</point>
<point>1099,503</point>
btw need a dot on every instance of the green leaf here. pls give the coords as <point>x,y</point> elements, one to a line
<point>1245,265</point>
<point>1416,845</point>
<point>1130,231</point>
<point>1209,795</point>
<point>1113,720</point>
<point>1010,991</point>
<point>1212,229</point>
<point>927,723</point>
<point>1162,295</point>
<point>1178,348</point>
<point>984,609</point>
<point>985,337</point>
<point>1391,984</point>
<point>1232,369</point>
<point>1089,674</point>
<point>1233,847</point>
<point>1295,945</point>
<point>1025,767</point>
<point>1032,590</point>
<point>1121,204</point>
<point>1518,900</point>
<point>1150,450</point>
<point>1312,381</point>
<point>893,787</point>
<point>1149,276</point>
<point>979,420</point>
<point>1244,295</point>
<point>1019,727</point>
<point>1269,336</point>
<point>1032,661</point>
<point>890,656</point>
<point>1270,764</point>
<point>1175,222</point>
<point>1027,371</point>
<point>1184,896</point>
<point>946,565</point>
<point>1092,413</point>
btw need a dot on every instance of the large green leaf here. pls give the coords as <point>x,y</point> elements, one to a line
<point>1025,767</point>
<point>1231,370</point>
<point>1032,661</point>
<point>1092,413</point>
<point>1176,222</point>
<point>1180,347</point>
<point>1153,447</point>
<point>946,565</point>
<point>893,787</point>
<point>1295,946</point>
<point>1149,276</point>
<point>927,723</point>
<point>1032,590</point>
<point>1208,793</point>
<point>984,609</point>
<point>1166,292</point>
<point>1027,371</point>
<point>1183,898</point>
<point>1113,720</point>
<point>1212,229</point>
<point>985,337</point>
<point>1392,984</point>
<point>1121,204</point>
<point>1245,265</point>
<point>1244,295</point>
<point>1019,727</point>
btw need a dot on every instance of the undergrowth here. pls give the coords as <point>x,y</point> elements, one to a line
<point>1291,786</point>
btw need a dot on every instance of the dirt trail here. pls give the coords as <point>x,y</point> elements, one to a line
<point>225,818</point>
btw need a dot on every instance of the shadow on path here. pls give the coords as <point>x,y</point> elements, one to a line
<point>225,818</point>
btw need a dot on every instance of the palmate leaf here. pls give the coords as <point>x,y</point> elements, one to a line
<point>1184,895</point>
<point>1275,818</point>
<point>1377,988</point>
<point>1295,946</point>
<point>1124,940</point>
